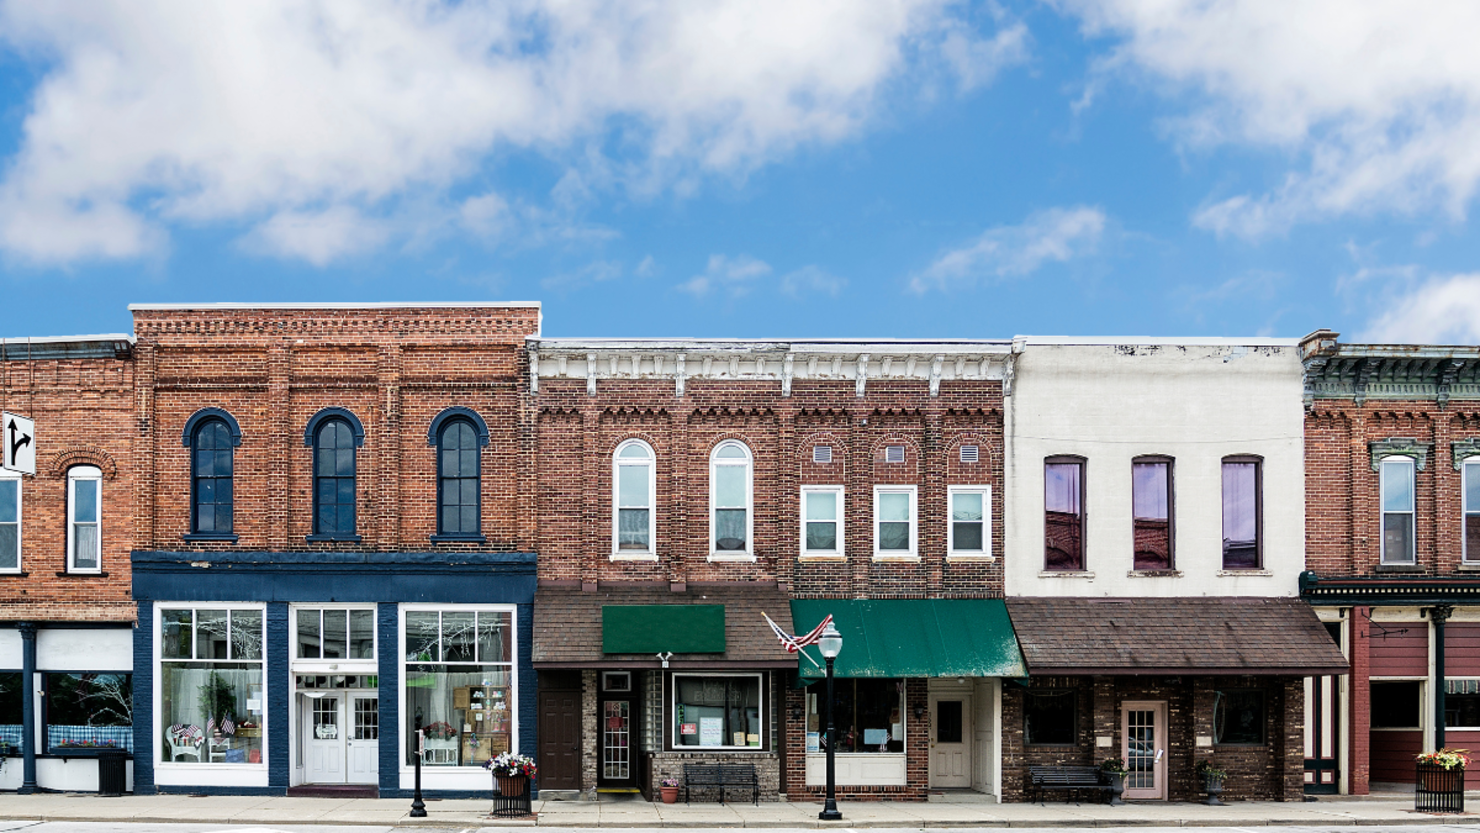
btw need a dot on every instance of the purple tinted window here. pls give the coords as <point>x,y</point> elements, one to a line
<point>1240,515</point>
<point>1150,505</point>
<point>1063,516</point>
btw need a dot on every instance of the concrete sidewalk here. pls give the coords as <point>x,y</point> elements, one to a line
<point>949,810</point>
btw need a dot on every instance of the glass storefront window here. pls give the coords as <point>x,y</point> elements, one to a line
<point>89,711</point>
<point>210,678</point>
<point>335,634</point>
<point>717,711</point>
<point>10,713</point>
<point>867,715</point>
<point>459,683</point>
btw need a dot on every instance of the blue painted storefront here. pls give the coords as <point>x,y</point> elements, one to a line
<point>280,579</point>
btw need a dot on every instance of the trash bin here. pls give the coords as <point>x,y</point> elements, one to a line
<point>112,772</point>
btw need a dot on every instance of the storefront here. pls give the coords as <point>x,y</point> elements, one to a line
<point>1164,684</point>
<point>917,697</point>
<point>269,672</point>
<point>656,678</point>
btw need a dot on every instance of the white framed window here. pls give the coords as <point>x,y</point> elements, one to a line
<point>971,520</point>
<point>634,484</point>
<point>84,519</point>
<point>1398,704</point>
<point>822,521</point>
<point>730,499</point>
<point>1462,704</point>
<point>332,632</point>
<point>10,522</point>
<point>1396,474</point>
<point>211,706</point>
<point>1471,533</point>
<point>459,682</point>
<point>718,711</point>
<point>895,522</point>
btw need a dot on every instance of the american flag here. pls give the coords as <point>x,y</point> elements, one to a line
<point>228,726</point>
<point>792,644</point>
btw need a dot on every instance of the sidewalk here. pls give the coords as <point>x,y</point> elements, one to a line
<point>966,810</point>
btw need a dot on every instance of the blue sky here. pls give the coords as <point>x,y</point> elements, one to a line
<point>890,168</point>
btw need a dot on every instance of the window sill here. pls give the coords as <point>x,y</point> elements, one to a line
<point>966,557</point>
<point>823,558</point>
<point>1470,567</point>
<point>23,573</point>
<point>1084,574</point>
<point>228,537</point>
<point>1250,571</point>
<point>1399,568</point>
<point>1153,574</point>
<point>731,556</point>
<point>634,556</point>
<point>898,558</point>
<point>82,574</point>
<point>347,539</point>
<point>460,538</point>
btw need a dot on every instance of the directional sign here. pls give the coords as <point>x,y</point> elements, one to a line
<point>19,440</point>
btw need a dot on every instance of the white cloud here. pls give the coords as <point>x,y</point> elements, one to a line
<point>734,276</point>
<point>1055,235</point>
<point>1376,103</point>
<point>810,279</point>
<point>150,113</point>
<point>319,237</point>
<point>1443,310</point>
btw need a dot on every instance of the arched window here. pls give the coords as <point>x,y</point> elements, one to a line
<point>334,479</point>
<point>459,478</point>
<point>632,499</point>
<point>212,463</point>
<point>84,519</point>
<point>730,499</point>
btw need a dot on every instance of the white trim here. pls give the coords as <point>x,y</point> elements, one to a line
<point>985,553</point>
<point>341,305</point>
<point>19,522</point>
<point>651,464</point>
<point>75,475</point>
<point>1470,464</point>
<point>102,337</point>
<point>748,553</point>
<point>840,548</point>
<point>1382,511</point>
<point>913,553</point>
<point>1091,341</point>
<point>762,710</point>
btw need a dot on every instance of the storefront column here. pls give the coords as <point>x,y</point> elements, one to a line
<point>278,692</point>
<point>1439,614</point>
<point>392,739</point>
<point>28,707</point>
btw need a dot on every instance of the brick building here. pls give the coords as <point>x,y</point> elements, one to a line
<point>1393,552</point>
<point>685,487</point>
<point>66,617</point>
<point>330,549</point>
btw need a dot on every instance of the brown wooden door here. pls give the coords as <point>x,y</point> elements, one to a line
<point>560,740</point>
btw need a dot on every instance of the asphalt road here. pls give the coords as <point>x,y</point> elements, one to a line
<point>128,827</point>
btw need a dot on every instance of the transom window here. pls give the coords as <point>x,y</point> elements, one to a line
<point>633,498</point>
<point>730,499</point>
<point>10,522</point>
<point>894,521</point>
<point>334,479</point>
<point>330,633</point>
<point>822,527</point>
<point>459,497</point>
<point>971,521</point>
<point>84,519</point>
<point>1472,510</point>
<point>1397,510</point>
<point>1151,510</point>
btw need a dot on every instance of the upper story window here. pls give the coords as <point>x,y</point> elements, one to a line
<point>84,519</point>
<point>822,527</point>
<point>633,498</point>
<point>10,522</point>
<point>894,521</point>
<point>1471,474</point>
<point>1396,475</point>
<point>1151,511</point>
<point>1063,513</point>
<point>971,520</point>
<point>334,434</point>
<point>1242,513</point>
<point>730,499</point>
<point>459,477</point>
<point>212,439</point>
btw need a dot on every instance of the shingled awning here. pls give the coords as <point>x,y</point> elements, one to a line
<point>1254,636</point>
<point>705,626</point>
<point>912,638</point>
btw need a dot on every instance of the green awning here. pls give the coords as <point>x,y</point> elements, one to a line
<point>913,638</point>
<point>654,629</point>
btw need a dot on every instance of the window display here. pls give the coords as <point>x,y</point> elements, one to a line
<point>210,681</point>
<point>89,711</point>
<point>717,711</point>
<point>459,681</point>
<point>867,715</point>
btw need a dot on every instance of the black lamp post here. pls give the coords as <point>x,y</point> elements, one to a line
<point>830,643</point>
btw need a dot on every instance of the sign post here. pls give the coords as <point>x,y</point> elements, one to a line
<point>19,442</point>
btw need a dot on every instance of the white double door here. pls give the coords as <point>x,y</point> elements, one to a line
<point>341,737</point>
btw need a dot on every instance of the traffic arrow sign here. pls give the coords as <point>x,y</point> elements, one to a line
<point>19,443</point>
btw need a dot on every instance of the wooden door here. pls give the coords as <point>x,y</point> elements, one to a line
<point>1144,729</point>
<point>950,740</point>
<point>323,746</point>
<point>363,742</point>
<point>560,740</point>
<point>1322,724</point>
<point>616,730</point>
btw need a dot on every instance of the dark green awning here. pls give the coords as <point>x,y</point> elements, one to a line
<point>913,638</point>
<point>654,629</point>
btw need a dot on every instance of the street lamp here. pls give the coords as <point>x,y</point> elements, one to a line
<point>830,643</point>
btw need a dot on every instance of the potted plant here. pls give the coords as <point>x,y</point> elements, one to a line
<point>1212,778</point>
<point>1441,780</point>
<point>512,772</point>
<point>669,788</point>
<point>1114,771</point>
<point>218,703</point>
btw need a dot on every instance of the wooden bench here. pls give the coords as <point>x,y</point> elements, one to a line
<point>722,776</point>
<point>1070,779</point>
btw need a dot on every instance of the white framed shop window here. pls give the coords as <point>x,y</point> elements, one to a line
<point>210,693</point>
<point>1462,704</point>
<point>717,711</point>
<point>460,682</point>
<point>1399,704</point>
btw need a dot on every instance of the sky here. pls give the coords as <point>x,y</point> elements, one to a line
<point>743,168</point>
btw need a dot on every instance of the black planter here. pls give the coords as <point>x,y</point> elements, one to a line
<point>1439,790</point>
<point>1117,787</point>
<point>1214,788</point>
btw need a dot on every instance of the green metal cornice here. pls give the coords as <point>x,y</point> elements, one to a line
<point>1463,450</point>
<point>1378,591</point>
<point>1402,447</point>
<point>1360,372</point>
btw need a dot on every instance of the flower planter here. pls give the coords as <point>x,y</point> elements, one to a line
<point>1439,790</point>
<point>1117,787</point>
<point>670,794</point>
<point>1213,786</point>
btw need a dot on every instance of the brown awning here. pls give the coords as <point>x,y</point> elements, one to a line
<point>568,626</point>
<point>1259,636</point>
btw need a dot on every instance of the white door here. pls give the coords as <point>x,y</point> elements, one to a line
<point>950,740</point>
<point>364,739</point>
<point>1144,727</point>
<point>323,744</point>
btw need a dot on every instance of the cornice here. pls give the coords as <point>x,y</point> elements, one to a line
<point>1400,446</point>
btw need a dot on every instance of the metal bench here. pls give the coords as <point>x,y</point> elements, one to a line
<point>722,776</point>
<point>1070,779</point>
